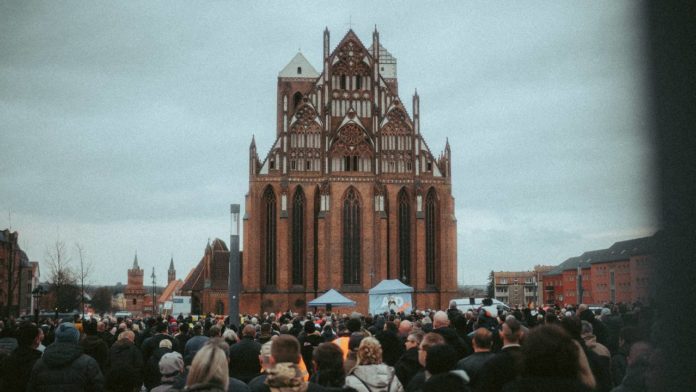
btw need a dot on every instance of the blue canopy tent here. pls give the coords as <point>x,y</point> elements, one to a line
<point>331,298</point>
<point>391,295</point>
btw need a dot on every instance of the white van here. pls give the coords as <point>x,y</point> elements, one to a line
<point>465,304</point>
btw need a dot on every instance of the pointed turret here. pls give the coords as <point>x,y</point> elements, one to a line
<point>135,262</point>
<point>327,48</point>
<point>171,273</point>
<point>416,112</point>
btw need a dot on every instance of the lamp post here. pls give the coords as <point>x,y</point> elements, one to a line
<point>37,293</point>
<point>154,301</point>
<point>233,282</point>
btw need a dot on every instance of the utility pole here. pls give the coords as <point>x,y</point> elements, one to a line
<point>233,283</point>
<point>154,300</point>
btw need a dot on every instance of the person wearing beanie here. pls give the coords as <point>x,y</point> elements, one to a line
<point>64,366</point>
<point>308,342</point>
<point>170,366</point>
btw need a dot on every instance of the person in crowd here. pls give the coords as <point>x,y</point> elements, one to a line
<point>353,343</point>
<point>591,340</point>
<point>370,373</point>
<point>407,366</point>
<point>308,342</point>
<point>504,366</point>
<point>600,366</point>
<point>405,329</point>
<point>598,327</point>
<point>152,372</point>
<point>614,323</point>
<point>327,361</point>
<point>244,364</point>
<point>619,361</point>
<point>352,325</point>
<point>120,379</point>
<point>104,334</point>
<point>230,337</point>
<point>208,372</point>
<point>152,343</point>
<point>482,342</point>
<point>284,372</point>
<point>170,366</point>
<point>181,338</point>
<point>392,347</point>
<point>453,312</point>
<point>442,360</point>
<point>215,331</point>
<point>64,367</point>
<point>93,345</point>
<point>16,368</point>
<point>234,385</point>
<point>429,340</point>
<point>441,324</point>
<point>124,352</point>
<point>552,361</point>
<point>638,369</point>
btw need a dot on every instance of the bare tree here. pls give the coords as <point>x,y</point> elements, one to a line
<point>61,276</point>
<point>84,271</point>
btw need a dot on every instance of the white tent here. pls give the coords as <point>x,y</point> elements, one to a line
<point>391,295</point>
<point>333,298</point>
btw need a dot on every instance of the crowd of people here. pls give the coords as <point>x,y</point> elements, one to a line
<point>486,349</point>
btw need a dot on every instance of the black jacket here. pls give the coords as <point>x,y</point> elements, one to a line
<point>452,338</point>
<point>473,364</point>
<point>64,367</point>
<point>244,359</point>
<point>16,369</point>
<point>391,347</point>
<point>501,369</point>
<point>308,344</point>
<point>407,366</point>
<point>124,352</point>
<point>95,347</point>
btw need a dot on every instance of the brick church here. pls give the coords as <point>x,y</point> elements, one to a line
<point>350,192</point>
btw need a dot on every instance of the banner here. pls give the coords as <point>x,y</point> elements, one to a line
<point>380,303</point>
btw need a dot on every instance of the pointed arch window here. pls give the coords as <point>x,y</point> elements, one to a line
<point>431,251</point>
<point>404,237</point>
<point>298,237</point>
<point>296,99</point>
<point>351,238</point>
<point>269,236</point>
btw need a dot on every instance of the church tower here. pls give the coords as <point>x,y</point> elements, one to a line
<point>349,193</point>
<point>134,290</point>
<point>171,272</point>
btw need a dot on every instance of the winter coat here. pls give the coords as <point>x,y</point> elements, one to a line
<point>153,376</point>
<point>126,353</point>
<point>16,369</point>
<point>407,366</point>
<point>473,364</point>
<point>95,347</point>
<point>64,367</point>
<point>244,359</point>
<point>391,347</point>
<point>374,378</point>
<point>309,343</point>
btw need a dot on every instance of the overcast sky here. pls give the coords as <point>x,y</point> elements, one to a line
<point>125,126</point>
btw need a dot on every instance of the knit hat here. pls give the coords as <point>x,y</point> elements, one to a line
<point>171,364</point>
<point>192,346</point>
<point>67,333</point>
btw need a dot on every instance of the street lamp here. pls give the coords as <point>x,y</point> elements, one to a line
<point>37,293</point>
<point>153,292</point>
<point>233,282</point>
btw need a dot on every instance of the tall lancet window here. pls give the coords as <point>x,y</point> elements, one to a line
<point>351,237</point>
<point>269,236</point>
<point>298,237</point>
<point>404,237</point>
<point>431,251</point>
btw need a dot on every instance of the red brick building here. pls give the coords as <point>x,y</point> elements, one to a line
<point>349,193</point>
<point>207,282</point>
<point>15,276</point>
<point>620,273</point>
<point>135,290</point>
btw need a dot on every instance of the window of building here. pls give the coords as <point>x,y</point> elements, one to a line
<point>299,72</point>
<point>351,238</point>
<point>404,237</point>
<point>308,165</point>
<point>429,166</point>
<point>269,238</point>
<point>135,301</point>
<point>272,164</point>
<point>343,82</point>
<point>358,82</point>
<point>298,237</point>
<point>293,164</point>
<point>431,251</point>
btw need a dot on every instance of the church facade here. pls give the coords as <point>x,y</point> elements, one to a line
<point>349,193</point>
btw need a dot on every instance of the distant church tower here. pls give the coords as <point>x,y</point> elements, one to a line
<point>134,290</point>
<point>171,273</point>
<point>349,193</point>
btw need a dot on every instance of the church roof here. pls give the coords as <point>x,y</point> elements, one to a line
<point>298,63</point>
<point>170,290</point>
<point>385,57</point>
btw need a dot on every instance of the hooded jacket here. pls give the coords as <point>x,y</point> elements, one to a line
<point>16,369</point>
<point>373,378</point>
<point>64,367</point>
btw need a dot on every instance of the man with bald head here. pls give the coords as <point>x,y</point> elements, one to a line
<point>405,328</point>
<point>244,356</point>
<point>441,325</point>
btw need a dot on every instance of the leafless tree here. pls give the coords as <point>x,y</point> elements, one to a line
<point>61,276</point>
<point>85,270</point>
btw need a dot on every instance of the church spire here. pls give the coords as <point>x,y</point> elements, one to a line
<point>135,261</point>
<point>171,273</point>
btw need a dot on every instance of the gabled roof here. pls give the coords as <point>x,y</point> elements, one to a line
<point>333,298</point>
<point>298,63</point>
<point>391,286</point>
<point>193,280</point>
<point>170,290</point>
